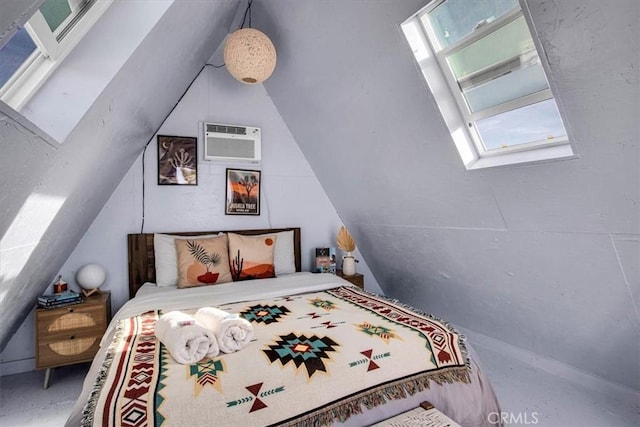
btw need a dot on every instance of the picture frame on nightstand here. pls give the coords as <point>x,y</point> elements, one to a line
<point>325,260</point>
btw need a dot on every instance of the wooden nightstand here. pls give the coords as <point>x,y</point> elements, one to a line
<point>357,279</point>
<point>71,334</point>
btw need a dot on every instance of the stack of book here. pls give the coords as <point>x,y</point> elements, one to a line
<point>59,300</point>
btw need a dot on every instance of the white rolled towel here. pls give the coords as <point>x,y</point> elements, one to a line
<point>187,340</point>
<point>232,331</point>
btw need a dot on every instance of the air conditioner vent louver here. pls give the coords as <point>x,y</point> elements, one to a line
<point>233,130</point>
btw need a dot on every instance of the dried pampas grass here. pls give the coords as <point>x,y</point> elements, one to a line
<point>345,241</point>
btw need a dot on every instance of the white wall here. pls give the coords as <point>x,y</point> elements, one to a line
<point>291,196</point>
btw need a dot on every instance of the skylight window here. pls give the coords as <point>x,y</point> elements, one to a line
<point>35,50</point>
<point>481,62</point>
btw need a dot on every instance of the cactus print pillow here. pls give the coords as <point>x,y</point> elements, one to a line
<point>251,257</point>
<point>203,262</point>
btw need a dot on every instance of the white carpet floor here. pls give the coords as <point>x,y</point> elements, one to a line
<point>527,395</point>
<point>23,402</point>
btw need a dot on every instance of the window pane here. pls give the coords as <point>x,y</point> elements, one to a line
<point>495,54</point>
<point>536,122</point>
<point>55,12</point>
<point>515,84</point>
<point>14,53</point>
<point>454,19</point>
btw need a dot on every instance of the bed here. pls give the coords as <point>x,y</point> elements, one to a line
<point>324,352</point>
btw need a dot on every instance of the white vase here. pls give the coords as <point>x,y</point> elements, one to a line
<point>348,264</point>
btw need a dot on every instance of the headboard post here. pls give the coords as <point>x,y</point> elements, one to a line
<point>142,262</point>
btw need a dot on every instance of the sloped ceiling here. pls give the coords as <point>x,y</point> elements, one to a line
<point>536,256</point>
<point>50,195</point>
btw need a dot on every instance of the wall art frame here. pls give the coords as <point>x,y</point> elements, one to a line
<point>242,192</point>
<point>177,160</point>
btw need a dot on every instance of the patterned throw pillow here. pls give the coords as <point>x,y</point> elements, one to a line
<point>251,256</point>
<point>164,248</point>
<point>203,262</point>
<point>284,256</point>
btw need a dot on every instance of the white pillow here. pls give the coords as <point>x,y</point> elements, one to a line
<point>283,256</point>
<point>167,258</point>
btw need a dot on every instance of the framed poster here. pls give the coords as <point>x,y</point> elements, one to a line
<point>177,160</point>
<point>242,192</point>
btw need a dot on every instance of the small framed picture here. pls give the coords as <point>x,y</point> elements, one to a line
<point>242,192</point>
<point>177,160</point>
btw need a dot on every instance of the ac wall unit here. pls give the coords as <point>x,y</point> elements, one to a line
<point>231,143</point>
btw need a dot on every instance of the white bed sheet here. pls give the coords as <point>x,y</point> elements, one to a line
<point>467,404</point>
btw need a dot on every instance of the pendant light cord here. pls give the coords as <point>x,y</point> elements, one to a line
<point>247,13</point>
<point>144,151</point>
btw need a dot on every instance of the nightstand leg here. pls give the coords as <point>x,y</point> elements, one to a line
<point>47,377</point>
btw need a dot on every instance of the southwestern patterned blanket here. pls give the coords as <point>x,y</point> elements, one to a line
<point>316,358</point>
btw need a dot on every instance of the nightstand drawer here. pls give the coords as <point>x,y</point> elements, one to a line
<point>58,321</point>
<point>68,350</point>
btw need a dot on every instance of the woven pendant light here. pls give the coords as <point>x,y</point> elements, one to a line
<point>249,56</point>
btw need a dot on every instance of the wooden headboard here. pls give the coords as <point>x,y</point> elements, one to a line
<point>142,261</point>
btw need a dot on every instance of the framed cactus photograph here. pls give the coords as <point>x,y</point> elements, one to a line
<point>177,160</point>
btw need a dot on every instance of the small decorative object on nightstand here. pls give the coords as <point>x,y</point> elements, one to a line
<point>356,279</point>
<point>90,278</point>
<point>346,243</point>
<point>60,286</point>
<point>325,260</point>
<point>71,334</point>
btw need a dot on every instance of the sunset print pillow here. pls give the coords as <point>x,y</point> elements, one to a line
<point>202,262</point>
<point>251,257</point>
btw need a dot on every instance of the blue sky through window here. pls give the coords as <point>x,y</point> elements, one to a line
<point>535,122</point>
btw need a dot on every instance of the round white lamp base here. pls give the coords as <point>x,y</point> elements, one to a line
<point>88,292</point>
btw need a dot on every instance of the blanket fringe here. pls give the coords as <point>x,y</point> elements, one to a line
<point>89,408</point>
<point>462,338</point>
<point>377,396</point>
